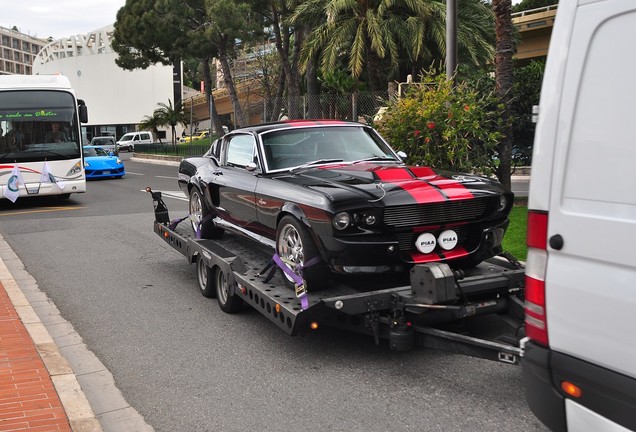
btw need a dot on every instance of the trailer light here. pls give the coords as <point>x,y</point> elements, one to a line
<point>571,389</point>
<point>409,323</point>
<point>339,304</point>
<point>277,308</point>
<point>166,234</point>
<point>243,289</point>
<point>313,325</point>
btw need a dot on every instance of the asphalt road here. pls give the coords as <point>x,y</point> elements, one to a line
<point>186,366</point>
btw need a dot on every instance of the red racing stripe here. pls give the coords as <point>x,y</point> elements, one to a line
<point>419,258</point>
<point>458,252</point>
<point>420,190</point>
<point>453,189</point>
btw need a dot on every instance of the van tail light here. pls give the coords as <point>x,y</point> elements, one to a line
<point>535,307</point>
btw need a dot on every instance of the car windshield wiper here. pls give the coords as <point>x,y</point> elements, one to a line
<point>316,162</point>
<point>375,159</point>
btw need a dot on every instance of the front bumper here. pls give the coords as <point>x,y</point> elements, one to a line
<point>367,253</point>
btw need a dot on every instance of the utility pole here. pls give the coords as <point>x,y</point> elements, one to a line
<point>451,39</point>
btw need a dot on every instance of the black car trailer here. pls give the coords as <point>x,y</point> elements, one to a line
<point>237,271</point>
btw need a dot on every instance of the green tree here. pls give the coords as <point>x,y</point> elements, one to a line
<point>153,123</point>
<point>526,91</point>
<point>165,31</point>
<point>171,116</point>
<point>375,34</point>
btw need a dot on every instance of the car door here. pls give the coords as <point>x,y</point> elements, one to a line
<point>235,182</point>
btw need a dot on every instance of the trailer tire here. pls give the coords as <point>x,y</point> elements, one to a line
<point>229,303</point>
<point>205,277</point>
<point>294,243</point>
<point>200,215</point>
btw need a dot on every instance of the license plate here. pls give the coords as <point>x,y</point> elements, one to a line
<point>106,172</point>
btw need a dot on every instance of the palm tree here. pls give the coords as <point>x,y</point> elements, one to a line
<point>152,123</point>
<point>503,84</point>
<point>168,115</point>
<point>375,34</point>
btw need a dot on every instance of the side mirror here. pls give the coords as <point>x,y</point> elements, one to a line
<point>251,166</point>
<point>402,155</point>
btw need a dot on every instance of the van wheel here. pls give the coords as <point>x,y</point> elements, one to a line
<point>228,302</point>
<point>201,217</point>
<point>295,245</point>
<point>205,276</point>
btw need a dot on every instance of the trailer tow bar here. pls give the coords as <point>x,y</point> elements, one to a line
<point>462,344</point>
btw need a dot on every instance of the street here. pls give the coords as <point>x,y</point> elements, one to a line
<point>184,365</point>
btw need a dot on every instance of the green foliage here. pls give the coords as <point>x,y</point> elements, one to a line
<point>515,239</point>
<point>436,124</point>
<point>526,90</point>
<point>532,4</point>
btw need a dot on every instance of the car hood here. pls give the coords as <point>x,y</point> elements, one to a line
<point>97,162</point>
<point>393,184</point>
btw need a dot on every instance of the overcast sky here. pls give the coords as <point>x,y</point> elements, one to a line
<point>59,18</point>
<point>62,18</point>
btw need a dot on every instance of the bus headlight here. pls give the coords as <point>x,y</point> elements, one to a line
<point>77,168</point>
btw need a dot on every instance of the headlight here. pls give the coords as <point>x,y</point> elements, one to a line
<point>370,219</point>
<point>341,220</point>
<point>118,161</point>
<point>77,168</point>
<point>503,202</point>
<point>86,164</point>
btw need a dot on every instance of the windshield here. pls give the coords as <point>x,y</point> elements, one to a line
<point>127,137</point>
<point>102,141</point>
<point>38,125</point>
<point>89,151</point>
<point>295,147</point>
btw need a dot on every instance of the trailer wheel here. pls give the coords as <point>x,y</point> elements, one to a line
<point>295,245</point>
<point>200,217</point>
<point>205,276</point>
<point>229,303</point>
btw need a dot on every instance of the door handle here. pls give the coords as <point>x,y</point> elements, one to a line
<point>556,242</point>
<point>218,173</point>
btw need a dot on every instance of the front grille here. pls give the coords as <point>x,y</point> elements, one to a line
<point>406,240</point>
<point>436,213</point>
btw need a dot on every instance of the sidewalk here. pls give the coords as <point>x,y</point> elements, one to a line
<point>38,390</point>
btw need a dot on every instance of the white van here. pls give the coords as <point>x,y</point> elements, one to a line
<point>127,142</point>
<point>580,361</point>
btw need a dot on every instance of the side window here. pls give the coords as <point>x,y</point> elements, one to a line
<point>145,136</point>
<point>240,150</point>
<point>136,138</point>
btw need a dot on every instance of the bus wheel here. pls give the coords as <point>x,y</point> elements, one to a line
<point>205,276</point>
<point>229,303</point>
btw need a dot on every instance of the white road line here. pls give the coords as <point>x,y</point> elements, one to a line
<point>132,173</point>
<point>166,177</point>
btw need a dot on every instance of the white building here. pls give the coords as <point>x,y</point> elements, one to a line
<point>117,99</point>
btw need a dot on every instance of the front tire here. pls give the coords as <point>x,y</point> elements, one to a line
<point>201,218</point>
<point>228,302</point>
<point>295,245</point>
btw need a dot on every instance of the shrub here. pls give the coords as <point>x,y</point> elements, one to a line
<point>444,126</point>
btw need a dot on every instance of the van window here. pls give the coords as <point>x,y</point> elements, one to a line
<point>145,136</point>
<point>603,130</point>
<point>127,137</point>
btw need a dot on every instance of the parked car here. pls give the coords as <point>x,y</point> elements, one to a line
<point>127,142</point>
<point>98,163</point>
<point>105,142</point>
<point>196,136</point>
<point>332,195</point>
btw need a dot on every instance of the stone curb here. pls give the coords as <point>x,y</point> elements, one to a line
<point>78,410</point>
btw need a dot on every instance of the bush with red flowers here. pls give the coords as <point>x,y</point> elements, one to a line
<point>443,125</point>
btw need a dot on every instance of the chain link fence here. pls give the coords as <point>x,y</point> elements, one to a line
<point>359,106</point>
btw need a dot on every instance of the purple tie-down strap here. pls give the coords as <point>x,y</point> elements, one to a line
<point>288,271</point>
<point>197,233</point>
<point>175,222</point>
<point>304,302</point>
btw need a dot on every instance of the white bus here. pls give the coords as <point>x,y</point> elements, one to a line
<point>40,137</point>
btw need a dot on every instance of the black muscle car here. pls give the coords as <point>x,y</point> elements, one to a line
<point>334,197</point>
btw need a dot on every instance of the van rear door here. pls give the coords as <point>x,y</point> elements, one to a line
<point>591,279</point>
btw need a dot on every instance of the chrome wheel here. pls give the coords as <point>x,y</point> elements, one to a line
<point>196,210</point>
<point>289,246</point>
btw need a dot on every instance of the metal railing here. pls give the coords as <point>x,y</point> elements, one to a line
<point>180,149</point>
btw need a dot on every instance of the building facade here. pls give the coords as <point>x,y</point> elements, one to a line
<point>17,51</point>
<point>117,99</point>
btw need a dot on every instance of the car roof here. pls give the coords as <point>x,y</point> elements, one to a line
<point>295,123</point>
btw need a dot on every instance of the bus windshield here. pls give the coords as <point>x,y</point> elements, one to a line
<point>38,125</point>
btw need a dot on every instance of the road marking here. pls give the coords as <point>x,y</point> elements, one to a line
<point>166,177</point>
<point>132,173</point>
<point>42,210</point>
<point>178,195</point>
